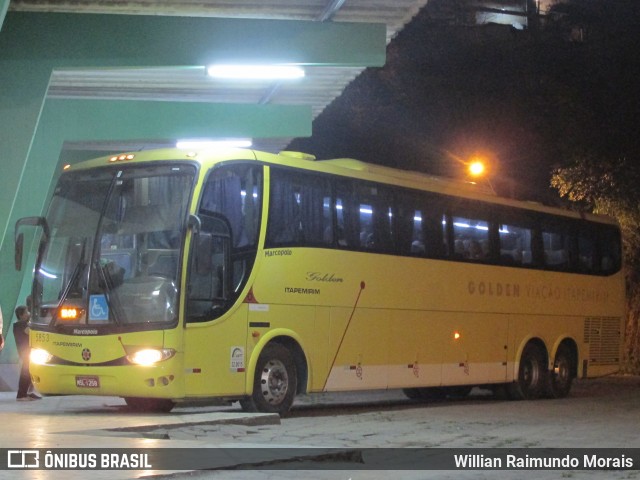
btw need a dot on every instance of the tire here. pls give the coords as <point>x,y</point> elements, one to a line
<point>157,405</point>
<point>532,374</point>
<point>561,376</point>
<point>275,382</point>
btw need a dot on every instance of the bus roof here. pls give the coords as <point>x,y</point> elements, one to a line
<point>346,167</point>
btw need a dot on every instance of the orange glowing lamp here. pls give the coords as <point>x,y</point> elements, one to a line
<point>476,168</point>
<point>69,313</point>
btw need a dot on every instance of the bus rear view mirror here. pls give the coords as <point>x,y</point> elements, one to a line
<point>19,237</point>
<point>18,251</point>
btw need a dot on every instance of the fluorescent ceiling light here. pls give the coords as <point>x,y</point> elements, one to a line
<point>256,72</point>
<point>203,144</point>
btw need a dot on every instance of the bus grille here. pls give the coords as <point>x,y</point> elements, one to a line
<point>603,335</point>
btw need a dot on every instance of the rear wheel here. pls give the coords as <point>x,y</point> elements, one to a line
<point>561,376</point>
<point>275,382</point>
<point>532,374</point>
<point>158,405</point>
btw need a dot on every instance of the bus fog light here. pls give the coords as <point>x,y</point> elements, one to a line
<point>151,356</point>
<point>39,356</point>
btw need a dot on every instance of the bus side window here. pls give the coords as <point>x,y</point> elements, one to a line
<point>341,236</point>
<point>586,253</point>
<point>448,242</point>
<point>299,210</point>
<point>409,224</point>
<point>515,245</point>
<point>556,250</point>
<point>471,238</point>
<point>609,246</point>
<point>348,216</point>
<point>235,193</point>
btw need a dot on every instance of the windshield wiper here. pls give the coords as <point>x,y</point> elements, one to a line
<point>106,282</point>
<point>75,275</point>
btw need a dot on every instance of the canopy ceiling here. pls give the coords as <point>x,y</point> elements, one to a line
<point>320,86</point>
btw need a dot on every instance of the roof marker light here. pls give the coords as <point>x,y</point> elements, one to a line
<point>120,158</point>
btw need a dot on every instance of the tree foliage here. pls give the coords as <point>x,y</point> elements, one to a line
<point>610,187</point>
<point>603,174</point>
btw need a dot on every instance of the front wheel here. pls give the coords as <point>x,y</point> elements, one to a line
<point>157,405</point>
<point>275,382</point>
<point>532,374</point>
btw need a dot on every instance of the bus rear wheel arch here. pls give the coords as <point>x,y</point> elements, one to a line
<point>275,382</point>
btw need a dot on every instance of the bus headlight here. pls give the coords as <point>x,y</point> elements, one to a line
<point>39,356</point>
<point>151,356</point>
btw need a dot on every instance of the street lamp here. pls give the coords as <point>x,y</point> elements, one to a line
<point>476,168</point>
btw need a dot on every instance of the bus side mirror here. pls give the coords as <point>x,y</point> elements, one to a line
<point>18,252</point>
<point>19,237</point>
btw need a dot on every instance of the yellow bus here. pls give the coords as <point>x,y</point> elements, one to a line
<point>169,276</point>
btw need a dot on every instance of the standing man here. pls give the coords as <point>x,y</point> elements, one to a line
<point>21,334</point>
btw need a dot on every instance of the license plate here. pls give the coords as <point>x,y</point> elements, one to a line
<point>87,382</point>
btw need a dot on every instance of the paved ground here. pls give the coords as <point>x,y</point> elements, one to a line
<point>599,413</point>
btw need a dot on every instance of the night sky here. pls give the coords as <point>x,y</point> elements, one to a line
<point>528,100</point>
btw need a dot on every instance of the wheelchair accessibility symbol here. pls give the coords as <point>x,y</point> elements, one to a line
<point>98,308</point>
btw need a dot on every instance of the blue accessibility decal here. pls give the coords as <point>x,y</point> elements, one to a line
<point>98,308</point>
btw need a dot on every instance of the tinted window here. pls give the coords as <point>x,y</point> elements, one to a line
<point>299,210</point>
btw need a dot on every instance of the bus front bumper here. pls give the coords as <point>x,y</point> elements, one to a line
<point>158,381</point>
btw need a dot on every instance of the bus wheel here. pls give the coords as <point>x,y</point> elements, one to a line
<point>532,374</point>
<point>159,405</point>
<point>275,383</point>
<point>560,378</point>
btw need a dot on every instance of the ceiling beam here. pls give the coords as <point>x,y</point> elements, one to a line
<point>330,10</point>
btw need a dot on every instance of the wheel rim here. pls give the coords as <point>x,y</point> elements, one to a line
<point>530,374</point>
<point>274,382</point>
<point>561,373</point>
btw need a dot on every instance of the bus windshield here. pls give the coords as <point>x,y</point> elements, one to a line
<point>113,255</point>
